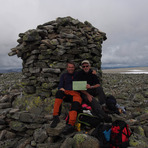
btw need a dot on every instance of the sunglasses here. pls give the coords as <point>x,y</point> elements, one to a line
<point>85,66</point>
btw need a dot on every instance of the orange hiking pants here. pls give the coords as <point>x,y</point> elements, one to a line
<point>76,102</point>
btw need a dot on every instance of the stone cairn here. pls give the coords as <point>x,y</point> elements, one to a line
<point>25,115</point>
<point>46,50</point>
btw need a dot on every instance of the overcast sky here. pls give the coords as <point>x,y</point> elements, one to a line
<point>124,21</point>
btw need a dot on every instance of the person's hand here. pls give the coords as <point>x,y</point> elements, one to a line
<point>62,89</point>
<point>88,86</point>
<point>94,72</point>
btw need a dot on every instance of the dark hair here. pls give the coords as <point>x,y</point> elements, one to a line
<point>71,62</point>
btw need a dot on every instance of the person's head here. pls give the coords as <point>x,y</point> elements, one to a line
<point>70,67</point>
<point>85,65</point>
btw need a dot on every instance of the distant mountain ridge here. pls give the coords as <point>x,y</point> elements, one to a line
<point>118,67</point>
<point>8,70</point>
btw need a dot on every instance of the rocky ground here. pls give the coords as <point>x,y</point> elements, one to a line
<point>23,129</point>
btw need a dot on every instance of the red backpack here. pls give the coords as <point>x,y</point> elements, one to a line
<point>120,134</point>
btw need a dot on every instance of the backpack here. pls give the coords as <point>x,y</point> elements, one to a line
<point>102,133</point>
<point>111,104</point>
<point>88,120</point>
<point>120,134</point>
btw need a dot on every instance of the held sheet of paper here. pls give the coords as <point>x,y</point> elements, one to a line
<point>79,85</point>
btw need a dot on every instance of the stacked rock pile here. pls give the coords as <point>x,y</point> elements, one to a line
<point>46,49</point>
<point>22,129</point>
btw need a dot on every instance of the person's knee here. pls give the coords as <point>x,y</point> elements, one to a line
<point>59,94</point>
<point>75,106</point>
<point>77,99</point>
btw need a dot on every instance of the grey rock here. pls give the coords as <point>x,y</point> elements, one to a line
<point>52,70</point>
<point>48,43</point>
<point>31,59</point>
<point>54,42</point>
<point>30,89</point>
<point>15,116</point>
<point>68,143</point>
<point>58,52</point>
<point>34,70</point>
<point>142,117</point>
<point>48,145</point>
<point>4,99</point>
<point>69,36</point>
<point>2,121</point>
<point>12,53</point>
<point>59,65</point>
<point>28,146</point>
<point>40,135</point>
<point>91,45</point>
<point>95,51</point>
<point>146,131</point>
<point>141,142</point>
<point>23,142</point>
<point>48,27</point>
<point>2,127</point>
<point>4,135</point>
<point>5,105</point>
<point>83,141</point>
<point>31,35</point>
<point>10,143</point>
<point>55,131</point>
<point>75,22</point>
<point>27,117</point>
<point>17,126</point>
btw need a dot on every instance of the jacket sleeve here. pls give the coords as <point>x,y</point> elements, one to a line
<point>96,80</point>
<point>61,83</point>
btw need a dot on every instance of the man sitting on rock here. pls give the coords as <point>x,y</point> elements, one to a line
<point>64,91</point>
<point>93,90</point>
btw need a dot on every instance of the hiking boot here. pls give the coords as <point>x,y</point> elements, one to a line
<point>55,121</point>
<point>68,129</point>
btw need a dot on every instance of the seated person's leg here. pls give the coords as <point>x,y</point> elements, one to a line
<point>101,95</point>
<point>58,101</point>
<point>73,113</point>
<point>72,118</point>
<point>57,105</point>
<point>77,100</point>
<point>97,110</point>
<point>85,99</point>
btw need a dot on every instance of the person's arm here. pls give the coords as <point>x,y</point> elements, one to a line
<point>92,86</point>
<point>61,83</point>
<point>95,83</point>
<point>89,97</point>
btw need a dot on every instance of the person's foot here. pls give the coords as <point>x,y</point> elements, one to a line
<point>68,129</point>
<point>55,121</point>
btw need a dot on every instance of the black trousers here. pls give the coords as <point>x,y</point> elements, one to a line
<point>95,105</point>
<point>99,93</point>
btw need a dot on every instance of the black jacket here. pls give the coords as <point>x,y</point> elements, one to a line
<point>89,77</point>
